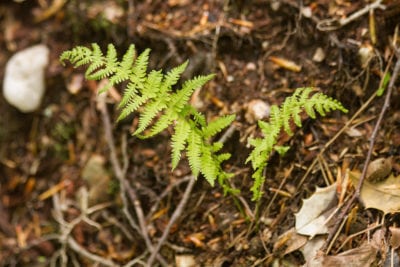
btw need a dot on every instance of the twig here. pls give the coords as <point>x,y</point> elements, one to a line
<point>178,211</point>
<point>356,196</point>
<point>334,24</point>
<point>114,161</point>
<point>166,191</point>
<point>386,105</point>
<point>125,187</point>
<point>67,240</point>
<point>339,133</point>
<point>109,218</point>
<point>82,251</point>
<point>142,222</point>
<point>137,260</point>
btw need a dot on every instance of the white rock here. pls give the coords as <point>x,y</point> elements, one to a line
<point>185,261</point>
<point>24,84</point>
<point>319,55</point>
<point>365,54</point>
<point>256,110</point>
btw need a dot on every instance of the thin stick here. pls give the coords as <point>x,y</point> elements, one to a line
<point>166,191</point>
<point>125,187</point>
<point>371,147</point>
<point>386,105</point>
<point>334,24</point>
<point>178,211</point>
<point>119,173</point>
<point>83,252</point>
<point>339,133</point>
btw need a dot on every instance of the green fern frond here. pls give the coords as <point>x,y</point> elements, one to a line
<point>194,152</point>
<point>163,122</point>
<point>217,125</point>
<point>179,140</point>
<point>208,167</point>
<point>138,79</point>
<point>198,118</point>
<point>173,76</point>
<point>281,118</point>
<point>182,96</point>
<point>216,146</point>
<point>81,55</point>
<point>223,157</point>
<point>150,111</point>
<point>109,65</point>
<point>132,100</point>
<point>160,106</point>
<point>128,59</point>
<point>259,180</point>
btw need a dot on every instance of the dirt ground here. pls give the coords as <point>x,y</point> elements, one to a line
<point>62,204</point>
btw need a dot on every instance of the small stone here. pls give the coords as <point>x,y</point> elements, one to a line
<point>230,78</point>
<point>24,83</point>
<point>319,55</point>
<point>185,261</point>
<point>306,12</point>
<point>275,5</point>
<point>365,53</point>
<point>251,66</point>
<point>257,109</point>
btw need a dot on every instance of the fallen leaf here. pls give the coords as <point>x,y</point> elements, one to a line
<point>196,239</point>
<point>55,7</point>
<point>312,247</point>
<point>311,219</point>
<point>362,256</point>
<point>173,3</point>
<point>285,63</point>
<point>54,189</point>
<point>384,196</point>
<point>288,242</point>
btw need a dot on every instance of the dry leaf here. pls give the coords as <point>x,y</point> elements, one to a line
<point>311,248</point>
<point>311,219</point>
<point>358,257</point>
<point>285,63</point>
<point>55,7</point>
<point>288,242</point>
<point>384,196</point>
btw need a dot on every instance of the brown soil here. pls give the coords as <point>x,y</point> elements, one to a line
<point>50,151</point>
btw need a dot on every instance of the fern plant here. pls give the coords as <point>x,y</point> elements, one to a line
<point>160,105</point>
<point>280,118</point>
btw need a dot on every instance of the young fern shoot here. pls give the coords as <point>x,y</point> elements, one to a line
<point>280,118</point>
<point>160,106</point>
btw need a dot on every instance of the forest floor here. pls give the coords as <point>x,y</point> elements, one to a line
<point>61,198</point>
